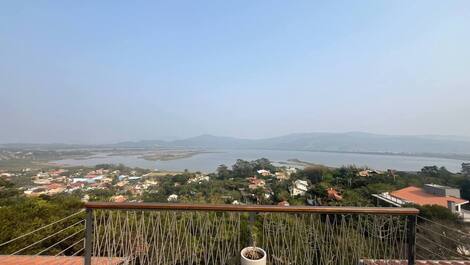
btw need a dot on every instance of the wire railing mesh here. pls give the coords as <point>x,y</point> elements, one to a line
<point>154,237</point>
<point>216,236</point>
<point>333,238</point>
<point>198,237</point>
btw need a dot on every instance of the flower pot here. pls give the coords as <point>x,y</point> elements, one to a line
<point>244,260</point>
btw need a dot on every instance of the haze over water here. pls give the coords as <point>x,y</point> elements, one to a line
<point>208,162</point>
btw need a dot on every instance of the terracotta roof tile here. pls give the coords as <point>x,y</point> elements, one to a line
<point>420,197</point>
<point>418,262</point>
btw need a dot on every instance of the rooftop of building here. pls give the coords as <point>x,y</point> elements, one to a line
<point>419,196</point>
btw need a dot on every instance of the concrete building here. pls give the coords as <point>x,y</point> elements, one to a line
<point>299,187</point>
<point>441,190</point>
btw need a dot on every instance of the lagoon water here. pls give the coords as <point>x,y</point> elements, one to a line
<point>208,162</point>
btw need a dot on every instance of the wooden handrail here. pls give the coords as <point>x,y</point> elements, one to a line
<point>250,208</point>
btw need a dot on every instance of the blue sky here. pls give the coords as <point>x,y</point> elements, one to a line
<point>105,71</point>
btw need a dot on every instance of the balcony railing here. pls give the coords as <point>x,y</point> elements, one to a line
<point>148,233</point>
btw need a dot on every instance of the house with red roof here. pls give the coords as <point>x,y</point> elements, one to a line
<point>429,194</point>
<point>333,194</point>
<point>255,183</point>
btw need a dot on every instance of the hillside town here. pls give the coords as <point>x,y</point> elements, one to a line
<point>255,182</point>
<point>131,185</point>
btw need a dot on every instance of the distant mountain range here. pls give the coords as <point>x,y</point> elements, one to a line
<point>330,142</point>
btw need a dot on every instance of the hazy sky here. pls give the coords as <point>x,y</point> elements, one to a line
<point>105,71</point>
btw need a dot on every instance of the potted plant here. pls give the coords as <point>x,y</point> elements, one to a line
<point>253,256</point>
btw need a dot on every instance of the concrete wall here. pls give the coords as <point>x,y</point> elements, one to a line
<point>442,191</point>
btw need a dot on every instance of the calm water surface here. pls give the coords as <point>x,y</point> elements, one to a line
<point>208,162</point>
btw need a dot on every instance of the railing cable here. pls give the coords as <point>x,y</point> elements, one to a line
<point>452,229</point>
<point>47,237</point>
<point>441,246</point>
<point>430,251</point>
<point>69,247</point>
<point>80,250</point>
<point>57,243</point>
<point>39,229</point>
<point>439,234</point>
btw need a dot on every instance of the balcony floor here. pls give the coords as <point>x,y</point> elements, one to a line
<point>418,262</point>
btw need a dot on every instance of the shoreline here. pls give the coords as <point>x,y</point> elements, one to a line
<point>145,158</point>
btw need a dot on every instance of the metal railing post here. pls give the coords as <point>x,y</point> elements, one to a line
<point>88,235</point>
<point>411,234</point>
